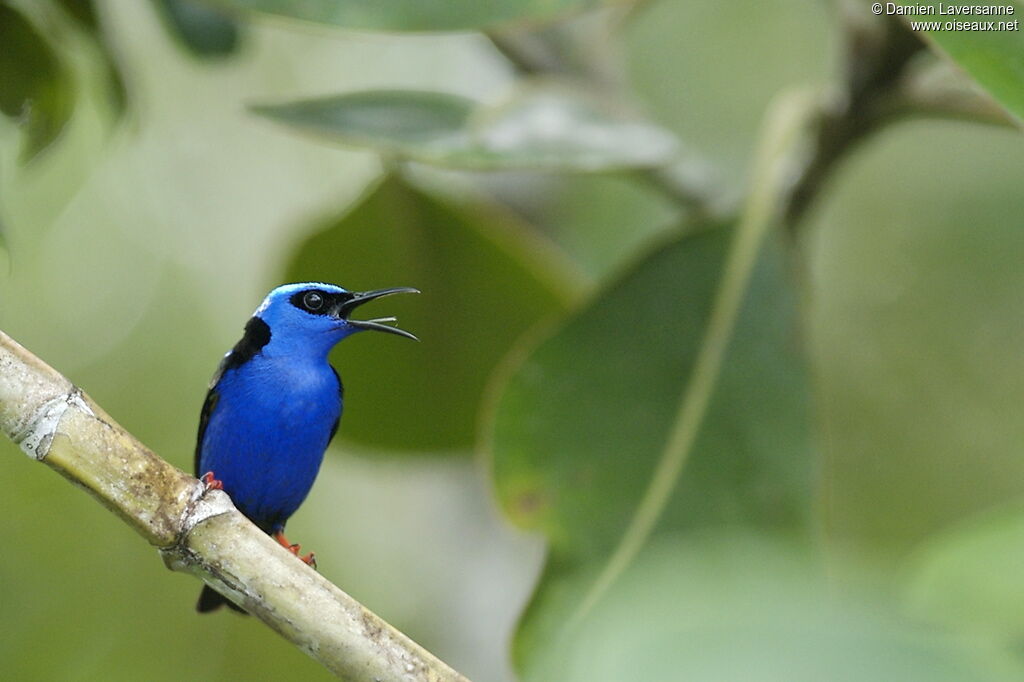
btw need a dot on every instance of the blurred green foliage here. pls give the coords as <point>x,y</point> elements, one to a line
<point>204,30</point>
<point>86,19</point>
<point>850,508</point>
<point>37,90</point>
<point>412,15</point>
<point>472,263</point>
<point>994,58</point>
<point>968,577</point>
<point>755,608</point>
<point>537,127</point>
<point>576,469</point>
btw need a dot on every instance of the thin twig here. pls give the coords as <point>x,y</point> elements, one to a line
<point>200,532</point>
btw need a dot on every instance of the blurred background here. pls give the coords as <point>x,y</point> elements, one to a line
<point>853,505</point>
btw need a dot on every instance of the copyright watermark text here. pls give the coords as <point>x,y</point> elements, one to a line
<point>952,17</point>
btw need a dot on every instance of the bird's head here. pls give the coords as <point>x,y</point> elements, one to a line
<point>317,316</point>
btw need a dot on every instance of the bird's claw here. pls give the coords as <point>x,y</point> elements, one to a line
<point>210,483</point>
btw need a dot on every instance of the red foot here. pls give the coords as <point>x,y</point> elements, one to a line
<point>309,559</point>
<point>211,483</point>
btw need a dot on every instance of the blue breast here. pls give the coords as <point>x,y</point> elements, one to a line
<point>267,433</point>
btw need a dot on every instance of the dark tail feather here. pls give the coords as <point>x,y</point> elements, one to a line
<point>211,600</point>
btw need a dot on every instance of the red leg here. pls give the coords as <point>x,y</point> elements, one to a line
<point>210,482</point>
<point>309,559</point>
<point>283,541</point>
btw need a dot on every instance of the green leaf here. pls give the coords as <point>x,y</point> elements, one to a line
<point>414,15</point>
<point>205,31</point>
<point>37,89</point>
<point>419,125</point>
<point>581,424</point>
<point>485,280</point>
<point>972,576</point>
<point>753,608</point>
<point>994,58</point>
<point>676,399</point>
<point>84,13</point>
<point>546,127</point>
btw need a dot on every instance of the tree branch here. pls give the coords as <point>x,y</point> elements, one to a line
<point>877,55</point>
<point>879,86</point>
<point>199,532</point>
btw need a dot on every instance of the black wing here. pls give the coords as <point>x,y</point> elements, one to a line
<point>212,396</point>
<point>204,419</point>
<point>341,398</point>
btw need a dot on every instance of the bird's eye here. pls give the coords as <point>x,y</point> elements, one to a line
<point>313,301</point>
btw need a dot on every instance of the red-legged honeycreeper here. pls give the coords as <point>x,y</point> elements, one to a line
<point>275,403</point>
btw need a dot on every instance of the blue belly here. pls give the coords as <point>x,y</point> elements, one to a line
<point>266,436</point>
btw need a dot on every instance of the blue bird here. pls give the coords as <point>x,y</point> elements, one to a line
<point>275,403</point>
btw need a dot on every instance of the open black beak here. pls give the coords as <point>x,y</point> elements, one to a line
<point>377,324</point>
